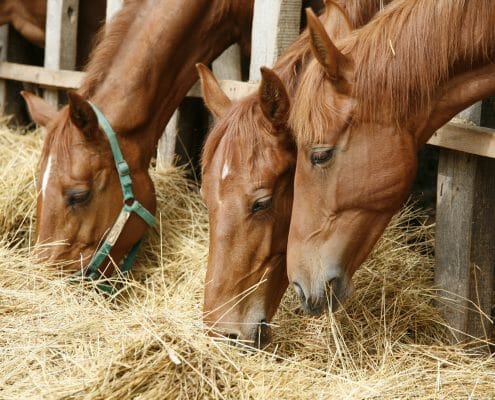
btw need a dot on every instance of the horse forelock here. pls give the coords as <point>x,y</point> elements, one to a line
<point>243,127</point>
<point>311,115</point>
<point>401,58</point>
<point>58,142</point>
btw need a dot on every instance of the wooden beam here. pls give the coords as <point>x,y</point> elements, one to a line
<point>61,39</point>
<point>467,138</point>
<point>228,65</point>
<point>64,79</point>
<point>59,79</point>
<point>275,27</point>
<point>235,90</point>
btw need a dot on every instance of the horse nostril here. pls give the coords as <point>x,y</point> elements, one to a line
<point>299,291</point>
<point>232,336</point>
<point>264,336</point>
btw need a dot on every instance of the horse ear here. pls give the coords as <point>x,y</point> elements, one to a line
<point>215,98</point>
<point>274,100</point>
<point>82,115</point>
<point>341,23</point>
<point>323,48</point>
<point>41,112</point>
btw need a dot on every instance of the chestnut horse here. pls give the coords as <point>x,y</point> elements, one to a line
<point>137,75</point>
<point>364,107</point>
<point>248,166</point>
<point>29,17</point>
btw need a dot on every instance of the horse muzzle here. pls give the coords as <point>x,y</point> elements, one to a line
<point>329,297</point>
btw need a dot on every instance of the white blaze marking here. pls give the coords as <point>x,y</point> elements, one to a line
<point>225,171</point>
<point>46,176</point>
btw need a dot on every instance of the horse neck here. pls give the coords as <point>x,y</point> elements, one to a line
<point>408,54</point>
<point>152,62</point>
<point>28,18</point>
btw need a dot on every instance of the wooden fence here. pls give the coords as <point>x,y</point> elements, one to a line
<point>465,237</point>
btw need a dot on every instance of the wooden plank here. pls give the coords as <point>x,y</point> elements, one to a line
<point>4,40</point>
<point>235,90</point>
<point>113,6</point>
<point>465,242</point>
<point>465,238</point>
<point>228,65</point>
<point>60,79</point>
<point>61,39</point>
<point>64,79</point>
<point>275,27</point>
<point>166,145</point>
<point>466,138</point>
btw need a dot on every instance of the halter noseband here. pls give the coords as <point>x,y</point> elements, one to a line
<point>131,205</point>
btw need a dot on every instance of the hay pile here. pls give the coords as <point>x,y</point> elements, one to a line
<point>61,340</point>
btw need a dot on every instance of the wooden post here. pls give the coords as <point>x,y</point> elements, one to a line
<point>166,145</point>
<point>465,239</point>
<point>113,6</point>
<point>228,65</point>
<point>275,27</point>
<point>4,40</point>
<point>61,39</point>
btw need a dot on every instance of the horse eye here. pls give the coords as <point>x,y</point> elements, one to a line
<point>77,197</point>
<point>321,156</point>
<point>261,204</point>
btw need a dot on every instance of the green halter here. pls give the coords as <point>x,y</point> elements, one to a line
<point>131,205</point>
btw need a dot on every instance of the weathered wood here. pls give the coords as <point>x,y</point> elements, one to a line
<point>228,65</point>
<point>65,79</point>
<point>465,242</point>
<point>60,79</point>
<point>113,6</point>
<point>466,138</point>
<point>465,238</point>
<point>61,39</point>
<point>235,90</point>
<point>4,40</point>
<point>18,50</point>
<point>166,145</point>
<point>275,27</point>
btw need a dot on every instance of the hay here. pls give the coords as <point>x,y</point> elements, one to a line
<point>61,340</point>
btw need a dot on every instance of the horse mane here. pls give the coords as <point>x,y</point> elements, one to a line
<point>107,44</point>
<point>245,119</point>
<point>401,58</point>
<point>360,12</point>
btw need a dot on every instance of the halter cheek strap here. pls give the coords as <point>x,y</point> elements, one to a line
<point>131,205</point>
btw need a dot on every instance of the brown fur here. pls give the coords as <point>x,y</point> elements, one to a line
<point>407,72</point>
<point>247,248</point>
<point>139,72</point>
<point>404,82</point>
